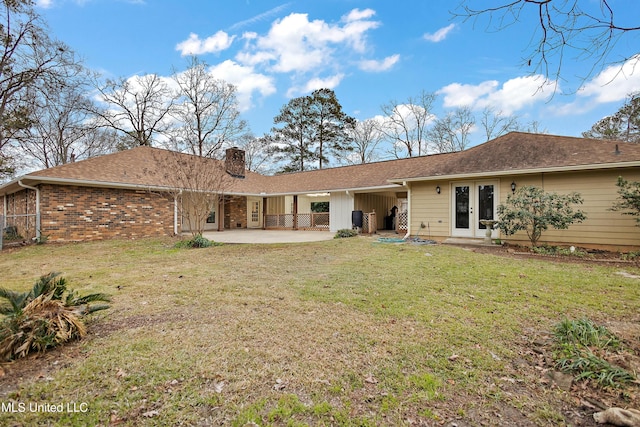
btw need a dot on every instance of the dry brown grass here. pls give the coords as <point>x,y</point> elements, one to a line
<point>345,332</point>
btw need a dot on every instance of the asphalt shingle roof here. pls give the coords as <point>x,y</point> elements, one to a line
<point>516,151</point>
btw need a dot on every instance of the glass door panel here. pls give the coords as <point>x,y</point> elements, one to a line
<point>485,204</point>
<point>462,221</point>
<point>471,203</point>
<point>462,207</point>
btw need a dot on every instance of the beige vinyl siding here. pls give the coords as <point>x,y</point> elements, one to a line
<point>431,209</point>
<point>603,227</point>
<point>380,204</point>
<point>275,205</point>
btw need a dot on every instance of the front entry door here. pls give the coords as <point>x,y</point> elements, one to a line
<point>472,202</point>
<point>254,212</point>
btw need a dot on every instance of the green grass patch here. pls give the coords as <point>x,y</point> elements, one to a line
<point>344,332</point>
<point>578,341</point>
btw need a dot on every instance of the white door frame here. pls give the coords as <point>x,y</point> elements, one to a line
<point>473,228</point>
<point>251,218</point>
<point>465,208</point>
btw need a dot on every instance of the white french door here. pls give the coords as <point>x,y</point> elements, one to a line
<point>472,201</point>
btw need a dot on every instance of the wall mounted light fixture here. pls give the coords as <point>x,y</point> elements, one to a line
<point>438,189</point>
<point>513,187</point>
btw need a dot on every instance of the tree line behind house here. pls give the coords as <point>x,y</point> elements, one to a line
<point>54,110</point>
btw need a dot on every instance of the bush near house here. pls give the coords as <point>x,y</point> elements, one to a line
<point>532,210</point>
<point>47,315</point>
<point>344,233</point>
<point>197,241</point>
<point>628,198</point>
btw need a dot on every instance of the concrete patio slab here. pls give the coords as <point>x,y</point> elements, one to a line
<point>247,235</point>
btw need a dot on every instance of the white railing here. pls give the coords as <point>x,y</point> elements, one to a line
<point>402,221</point>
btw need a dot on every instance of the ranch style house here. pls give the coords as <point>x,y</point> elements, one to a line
<point>136,193</point>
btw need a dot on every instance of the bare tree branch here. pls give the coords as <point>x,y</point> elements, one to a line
<point>138,107</point>
<point>206,110</point>
<point>406,124</point>
<point>587,30</point>
<point>198,184</point>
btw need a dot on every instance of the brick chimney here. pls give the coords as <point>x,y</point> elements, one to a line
<point>234,162</point>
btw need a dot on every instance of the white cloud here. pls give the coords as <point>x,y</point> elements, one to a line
<point>439,35</point>
<point>295,44</point>
<point>215,43</point>
<point>377,66</point>
<point>614,83</point>
<point>246,80</point>
<point>45,4</point>
<point>514,95</point>
<point>358,15</point>
<point>461,95</point>
<point>316,83</point>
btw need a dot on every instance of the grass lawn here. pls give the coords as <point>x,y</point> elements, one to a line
<point>347,332</point>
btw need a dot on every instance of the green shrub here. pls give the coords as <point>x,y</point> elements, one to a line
<point>198,241</point>
<point>42,239</point>
<point>47,315</point>
<point>630,255</point>
<point>344,233</point>
<point>532,210</point>
<point>585,333</point>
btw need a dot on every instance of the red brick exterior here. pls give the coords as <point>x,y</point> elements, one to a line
<point>235,212</point>
<point>71,213</point>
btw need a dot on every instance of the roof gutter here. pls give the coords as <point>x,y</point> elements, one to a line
<point>37,190</point>
<point>394,186</point>
<point>107,184</point>
<point>575,168</point>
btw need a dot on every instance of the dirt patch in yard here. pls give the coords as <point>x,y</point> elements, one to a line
<point>36,367</point>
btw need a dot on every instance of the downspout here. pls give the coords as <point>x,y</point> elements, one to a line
<point>4,220</point>
<point>37,190</point>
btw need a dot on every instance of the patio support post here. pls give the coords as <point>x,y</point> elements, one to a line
<point>220,212</point>
<point>264,213</point>
<point>176,213</point>
<point>295,212</point>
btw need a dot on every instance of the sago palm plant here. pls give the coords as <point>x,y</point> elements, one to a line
<point>45,316</point>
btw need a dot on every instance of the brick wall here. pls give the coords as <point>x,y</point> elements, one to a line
<point>83,213</point>
<point>235,212</point>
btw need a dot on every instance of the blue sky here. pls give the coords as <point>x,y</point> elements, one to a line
<point>368,52</point>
